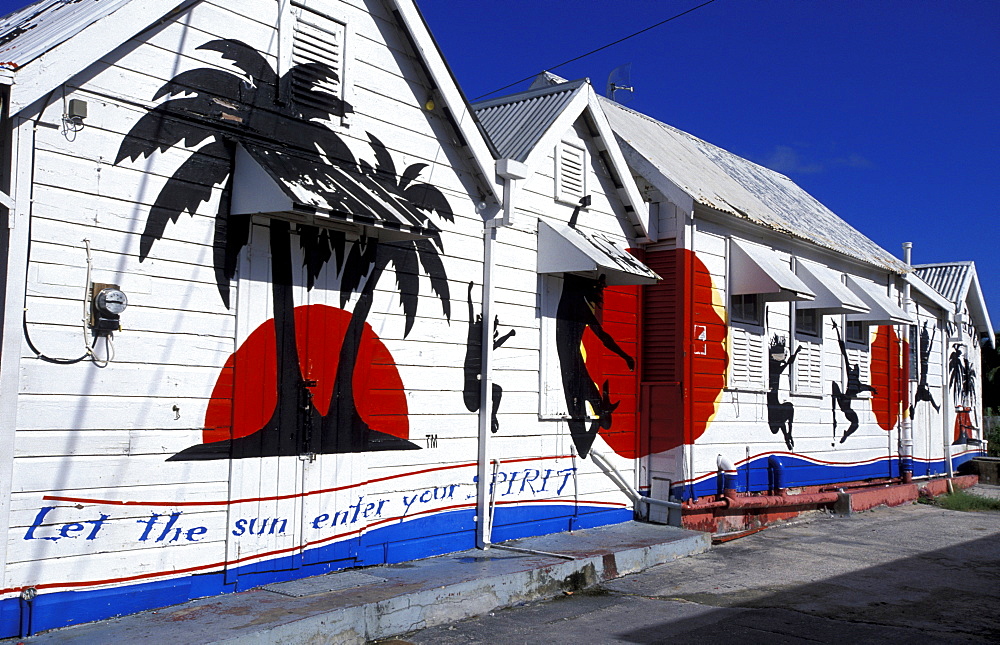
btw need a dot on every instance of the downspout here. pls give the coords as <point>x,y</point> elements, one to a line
<point>623,485</point>
<point>510,171</point>
<point>906,426</point>
<point>946,402</point>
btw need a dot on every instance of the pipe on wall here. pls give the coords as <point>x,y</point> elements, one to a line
<point>906,425</point>
<point>509,171</point>
<point>734,501</point>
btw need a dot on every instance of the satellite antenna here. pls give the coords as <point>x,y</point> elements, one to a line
<point>619,87</point>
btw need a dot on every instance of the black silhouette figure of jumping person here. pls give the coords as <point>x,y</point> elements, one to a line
<point>850,393</point>
<point>923,391</point>
<point>474,363</point>
<point>779,415</point>
<point>579,308</point>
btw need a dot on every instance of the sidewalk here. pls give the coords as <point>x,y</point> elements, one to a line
<point>359,605</point>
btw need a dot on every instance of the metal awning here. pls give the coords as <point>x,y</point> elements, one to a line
<point>283,184</point>
<point>882,310</point>
<point>832,295</point>
<point>755,269</point>
<point>562,249</point>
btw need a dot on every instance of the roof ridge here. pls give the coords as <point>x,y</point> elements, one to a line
<point>531,93</point>
<point>695,137</point>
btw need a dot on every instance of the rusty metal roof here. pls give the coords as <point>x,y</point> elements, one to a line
<point>726,182</point>
<point>517,122</point>
<point>28,33</point>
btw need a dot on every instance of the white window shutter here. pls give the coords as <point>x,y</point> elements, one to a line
<point>809,369</point>
<point>746,359</point>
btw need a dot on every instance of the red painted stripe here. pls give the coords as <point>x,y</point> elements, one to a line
<point>302,547</point>
<point>116,502</point>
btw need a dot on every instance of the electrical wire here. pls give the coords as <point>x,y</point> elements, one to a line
<point>594,51</point>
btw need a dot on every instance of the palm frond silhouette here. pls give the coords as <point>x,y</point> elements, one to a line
<point>211,111</point>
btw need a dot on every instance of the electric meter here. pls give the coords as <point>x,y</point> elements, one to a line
<point>111,301</point>
<point>108,302</point>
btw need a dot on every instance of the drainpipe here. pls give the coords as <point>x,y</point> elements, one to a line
<point>906,427</point>
<point>728,475</point>
<point>510,171</point>
<point>619,480</point>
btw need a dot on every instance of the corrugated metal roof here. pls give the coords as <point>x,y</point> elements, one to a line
<point>726,182</point>
<point>950,279</point>
<point>517,122</point>
<point>28,33</point>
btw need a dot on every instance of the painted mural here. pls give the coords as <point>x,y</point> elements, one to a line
<point>471,392</point>
<point>890,370</point>
<point>581,310</point>
<point>962,381</point>
<point>844,398</point>
<point>316,391</point>
<point>923,393</point>
<point>780,414</point>
<point>709,338</point>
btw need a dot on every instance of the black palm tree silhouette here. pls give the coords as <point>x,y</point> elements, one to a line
<point>288,140</point>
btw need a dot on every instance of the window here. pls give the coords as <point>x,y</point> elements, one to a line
<point>746,358</point>
<point>746,350</point>
<point>807,322</point>
<point>856,332</point>
<point>746,308</point>
<point>571,173</point>
<point>318,40</point>
<point>807,370</point>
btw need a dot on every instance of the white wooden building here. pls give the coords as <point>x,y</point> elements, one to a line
<point>777,348</point>
<point>278,301</point>
<point>308,228</point>
<point>946,359</point>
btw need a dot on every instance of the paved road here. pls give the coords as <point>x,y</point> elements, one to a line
<point>910,574</point>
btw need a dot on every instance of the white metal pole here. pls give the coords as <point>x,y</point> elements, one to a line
<point>906,426</point>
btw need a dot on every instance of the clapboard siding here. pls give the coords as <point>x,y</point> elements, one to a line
<point>107,433</point>
<point>43,474</point>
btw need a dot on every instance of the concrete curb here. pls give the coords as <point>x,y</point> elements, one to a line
<point>866,499</point>
<point>407,596</point>
<point>452,602</point>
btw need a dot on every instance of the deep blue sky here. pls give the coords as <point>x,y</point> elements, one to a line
<point>885,110</point>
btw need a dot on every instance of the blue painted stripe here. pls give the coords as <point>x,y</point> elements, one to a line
<point>435,534</point>
<point>754,476</point>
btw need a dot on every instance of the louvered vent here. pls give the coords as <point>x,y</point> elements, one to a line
<point>809,369</point>
<point>318,40</point>
<point>746,359</point>
<point>571,169</point>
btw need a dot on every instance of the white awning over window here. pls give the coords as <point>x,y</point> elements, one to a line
<point>883,310</point>
<point>562,249</point>
<point>282,184</point>
<point>832,295</point>
<point>755,269</point>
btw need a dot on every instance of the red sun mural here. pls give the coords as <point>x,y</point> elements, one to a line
<point>246,392</point>
<point>890,373</point>
<point>681,339</point>
<point>619,318</point>
<point>709,354</point>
